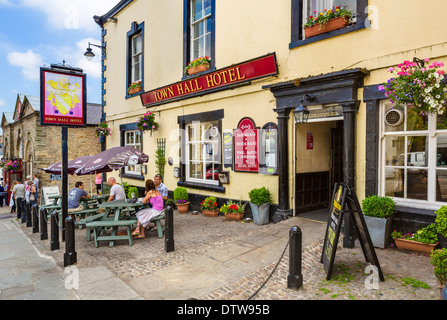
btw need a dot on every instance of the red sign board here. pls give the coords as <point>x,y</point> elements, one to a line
<point>211,82</point>
<point>309,141</point>
<point>246,147</point>
<point>62,98</point>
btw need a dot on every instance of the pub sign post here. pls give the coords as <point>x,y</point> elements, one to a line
<point>63,103</point>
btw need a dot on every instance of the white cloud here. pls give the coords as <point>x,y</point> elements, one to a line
<point>70,14</point>
<point>29,61</point>
<point>2,103</point>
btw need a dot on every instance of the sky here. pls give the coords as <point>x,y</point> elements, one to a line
<point>38,33</point>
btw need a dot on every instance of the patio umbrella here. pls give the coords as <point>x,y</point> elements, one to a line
<point>113,159</point>
<point>73,165</point>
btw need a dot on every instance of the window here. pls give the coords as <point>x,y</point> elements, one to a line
<point>302,9</point>
<point>203,152</point>
<point>137,54</point>
<point>132,138</point>
<point>199,30</point>
<point>413,155</point>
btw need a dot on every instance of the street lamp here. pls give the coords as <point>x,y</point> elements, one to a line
<point>89,53</point>
<point>301,112</point>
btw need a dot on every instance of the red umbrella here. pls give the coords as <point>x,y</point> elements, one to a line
<point>112,159</point>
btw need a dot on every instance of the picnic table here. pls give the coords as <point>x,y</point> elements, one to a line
<point>118,213</point>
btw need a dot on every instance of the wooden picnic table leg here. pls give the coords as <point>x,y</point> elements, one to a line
<point>115,229</point>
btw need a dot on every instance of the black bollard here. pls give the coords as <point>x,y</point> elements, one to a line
<point>169,229</point>
<point>54,244</point>
<point>43,224</point>
<point>18,202</point>
<point>23,206</point>
<point>29,222</point>
<point>70,256</point>
<point>295,277</point>
<point>35,211</point>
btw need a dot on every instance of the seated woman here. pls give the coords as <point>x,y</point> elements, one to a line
<point>145,216</point>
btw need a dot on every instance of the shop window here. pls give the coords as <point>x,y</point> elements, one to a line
<point>302,9</point>
<point>199,31</point>
<point>135,55</point>
<point>202,152</point>
<point>413,155</point>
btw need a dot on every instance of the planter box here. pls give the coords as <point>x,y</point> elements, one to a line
<point>199,68</point>
<point>134,90</point>
<point>234,216</point>
<point>331,25</point>
<point>415,246</point>
<point>379,230</point>
<point>209,213</point>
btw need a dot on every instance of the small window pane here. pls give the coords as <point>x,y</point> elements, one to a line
<point>394,151</point>
<point>441,156</point>
<point>417,148</point>
<point>417,184</point>
<point>394,182</point>
<point>416,121</point>
<point>441,185</point>
<point>442,121</point>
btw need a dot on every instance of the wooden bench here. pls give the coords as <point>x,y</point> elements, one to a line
<point>84,221</point>
<point>98,226</point>
<point>80,214</point>
<point>160,228</point>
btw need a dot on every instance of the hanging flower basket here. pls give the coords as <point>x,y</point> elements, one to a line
<point>147,123</point>
<point>326,21</point>
<point>135,87</point>
<point>416,85</point>
<point>10,165</point>
<point>198,65</point>
<point>102,130</point>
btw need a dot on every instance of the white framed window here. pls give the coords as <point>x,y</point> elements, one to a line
<point>413,156</point>
<point>132,138</point>
<point>136,60</point>
<point>203,156</point>
<point>200,28</point>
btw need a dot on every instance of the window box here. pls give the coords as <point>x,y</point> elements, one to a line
<point>331,25</point>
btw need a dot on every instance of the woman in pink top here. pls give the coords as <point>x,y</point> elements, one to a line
<point>145,216</point>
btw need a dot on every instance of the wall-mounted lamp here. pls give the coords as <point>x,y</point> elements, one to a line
<point>89,53</point>
<point>301,112</point>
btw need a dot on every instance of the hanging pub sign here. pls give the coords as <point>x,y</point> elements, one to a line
<point>63,97</point>
<point>246,146</point>
<point>344,197</point>
<point>213,81</point>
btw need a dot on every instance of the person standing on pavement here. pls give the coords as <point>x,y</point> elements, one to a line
<point>98,181</point>
<point>160,187</point>
<point>18,195</point>
<point>116,191</point>
<point>36,183</point>
<point>12,202</point>
<point>2,195</point>
<point>7,194</point>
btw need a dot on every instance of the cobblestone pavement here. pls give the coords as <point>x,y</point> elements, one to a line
<point>196,235</point>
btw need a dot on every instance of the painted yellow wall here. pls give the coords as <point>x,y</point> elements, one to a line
<point>401,30</point>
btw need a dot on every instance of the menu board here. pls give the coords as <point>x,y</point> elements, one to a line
<point>246,146</point>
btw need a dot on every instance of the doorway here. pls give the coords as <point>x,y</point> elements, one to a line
<point>319,165</point>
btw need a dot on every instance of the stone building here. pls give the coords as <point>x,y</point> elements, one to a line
<point>40,146</point>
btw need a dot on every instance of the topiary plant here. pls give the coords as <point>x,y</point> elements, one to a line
<point>438,259</point>
<point>441,221</point>
<point>260,196</point>
<point>180,195</point>
<point>379,207</point>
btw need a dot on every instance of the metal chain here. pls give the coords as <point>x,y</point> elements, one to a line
<point>273,271</point>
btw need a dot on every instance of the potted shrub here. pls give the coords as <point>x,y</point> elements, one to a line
<point>181,199</point>
<point>441,221</point>
<point>328,20</point>
<point>423,241</point>
<point>198,65</point>
<point>132,193</point>
<point>209,207</point>
<point>378,212</point>
<point>438,259</point>
<point>233,211</point>
<point>260,200</point>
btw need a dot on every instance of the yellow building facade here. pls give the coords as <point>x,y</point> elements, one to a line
<point>335,75</point>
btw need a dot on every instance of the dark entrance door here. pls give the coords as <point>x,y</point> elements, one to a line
<point>336,170</point>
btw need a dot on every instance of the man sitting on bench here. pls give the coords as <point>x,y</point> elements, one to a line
<point>75,195</point>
